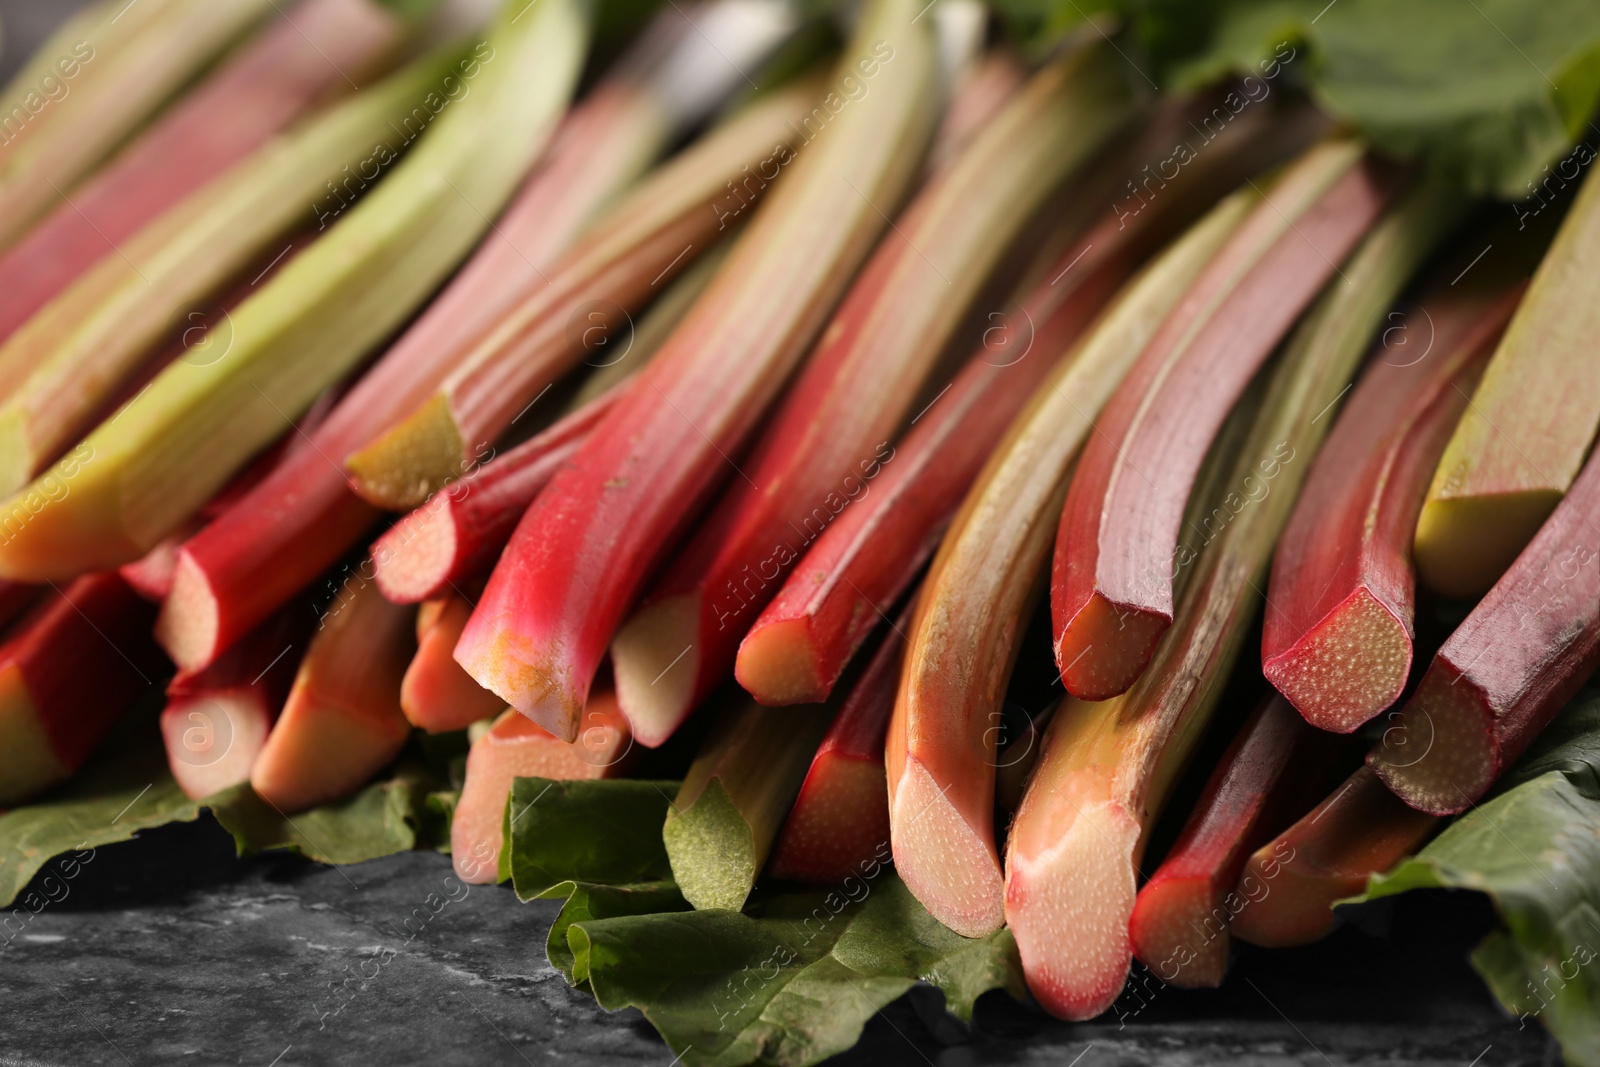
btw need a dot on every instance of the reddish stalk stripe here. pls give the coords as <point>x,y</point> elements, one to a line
<point>1292,882</point>
<point>294,525</point>
<point>272,79</point>
<point>216,721</point>
<point>840,820</point>
<point>68,670</point>
<point>342,721</point>
<point>655,232</point>
<point>993,81</point>
<point>1338,638</point>
<point>1181,916</point>
<point>457,535</point>
<point>436,694</point>
<point>515,747</point>
<point>1500,679</point>
<point>1113,576</point>
<point>583,551</point>
<point>834,425</point>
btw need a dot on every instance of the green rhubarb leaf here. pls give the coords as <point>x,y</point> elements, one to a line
<point>123,789</point>
<point>1534,849</point>
<point>792,980</point>
<point>604,832</point>
<point>586,902</point>
<point>380,820</point>
<point>1486,92</point>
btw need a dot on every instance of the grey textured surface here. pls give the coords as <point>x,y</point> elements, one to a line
<point>169,950</point>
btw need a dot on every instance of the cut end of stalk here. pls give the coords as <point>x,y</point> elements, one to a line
<point>823,843</point>
<point>1464,544</point>
<point>212,743</point>
<point>300,768</point>
<point>412,559</point>
<point>657,666</point>
<point>412,460</point>
<point>1104,647</point>
<point>506,665</point>
<point>1298,907</point>
<point>712,851</point>
<point>778,665</point>
<point>1069,906</point>
<point>1179,930</point>
<point>190,620</point>
<point>436,694</point>
<point>31,764</point>
<point>950,867</point>
<point>1440,756</point>
<point>1348,667</point>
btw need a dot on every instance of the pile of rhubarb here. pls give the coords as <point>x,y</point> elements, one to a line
<point>812,446</point>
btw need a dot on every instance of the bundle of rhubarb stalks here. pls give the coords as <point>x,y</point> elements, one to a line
<point>896,440</point>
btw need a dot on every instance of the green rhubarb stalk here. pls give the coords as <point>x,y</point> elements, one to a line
<point>145,471</point>
<point>734,799</point>
<point>76,353</point>
<point>94,83</point>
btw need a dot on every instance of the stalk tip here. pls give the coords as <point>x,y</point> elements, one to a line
<point>931,842</point>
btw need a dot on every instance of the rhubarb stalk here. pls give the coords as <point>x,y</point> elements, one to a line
<point>171,448</point>
<point>436,694</point>
<point>621,263</point>
<point>515,747</point>
<point>68,670</point>
<point>274,78</point>
<point>306,516</point>
<point>1291,883</point>
<point>835,424</point>
<point>1112,583</point>
<point>1338,638</point>
<point>840,819</point>
<point>727,813</point>
<point>1181,916</point>
<point>118,67</point>
<point>1107,768</point>
<point>216,721</point>
<point>1506,671</point>
<point>1524,436</point>
<point>584,549</point>
<point>963,640</point>
<point>75,354</point>
<point>342,721</point>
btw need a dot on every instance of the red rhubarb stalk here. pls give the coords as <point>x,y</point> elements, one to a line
<point>621,263</point>
<point>342,720</point>
<point>1291,882</point>
<point>304,517</point>
<point>1112,584</point>
<point>840,820</point>
<point>216,721</point>
<point>1181,916</point>
<point>1525,650</point>
<point>288,68</point>
<point>458,534</point>
<point>436,694</point>
<point>68,670</point>
<point>515,747</point>
<point>584,549</point>
<point>983,582</point>
<point>1338,637</point>
<point>857,388</point>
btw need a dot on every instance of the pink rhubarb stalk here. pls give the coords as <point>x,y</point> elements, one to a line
<point>583,551</point>
<point>1112,588</point>
<point>1338,639</point>
<point>436,694</point>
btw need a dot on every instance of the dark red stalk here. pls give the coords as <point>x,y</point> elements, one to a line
<point>299,60</point>
<point>1338,634</point>
<point>457,535</point>
<point>1113,575</point>
<point>68,670</point>
<point>840,820</point>
<point>1500,679</point>
<point>1181,916</point>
